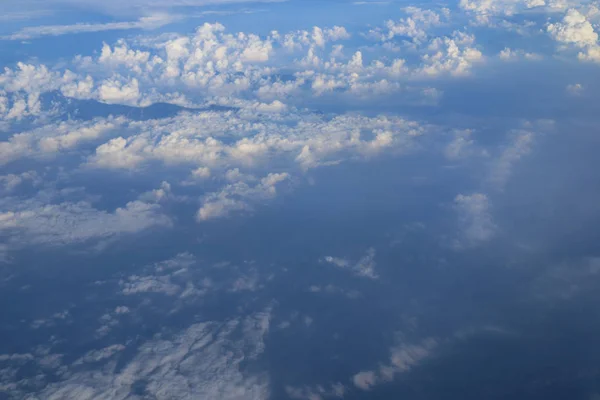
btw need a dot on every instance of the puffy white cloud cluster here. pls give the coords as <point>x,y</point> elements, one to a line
<point>236,197</point>
<point>575,29</point>
<point>56,224</point>
<point>221,64</point>
<point>318,392</point>
<point>487,12</point>
<point>415,26</point>
<point>10,182</point>
<point>451,54</point>
<point>205,360</point>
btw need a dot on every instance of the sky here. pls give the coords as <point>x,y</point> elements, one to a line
<point>230,199</point>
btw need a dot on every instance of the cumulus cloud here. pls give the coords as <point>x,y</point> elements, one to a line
<point>502,167</point>
<point>10,182</point>
<point>133,7</point>
<point>454,55</point>
<point>574,29</point>
<point>238,196</point>
<point>575,89</point>
<point>55,138</point>
<point>462,146</point>
<point>68,223</point>
<point>486,12</point>
<point>205,360</point>
<point>416,26</point>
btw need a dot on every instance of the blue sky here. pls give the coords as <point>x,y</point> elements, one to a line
<point>299,199</point>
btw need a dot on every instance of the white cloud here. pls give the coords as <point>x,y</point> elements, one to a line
<point>508,54</point>
<point>122,310</point>
<point>149,284</point>
<point>415,26</point>
<point>365,380</point>
<point>318,392</point>
<point>94,356</point>
<point>502,167</point>
<point>332,289</point>
<point>475,218</point>
<point>462,146</point>
<point>574,29</point>
<point>238,196</point>
<point>364,268</point>
<point>403,358</point>
<point>453,55</point>
<point>130,8</point>
<point>486,12</point>
<point>148,22</point>
<point>575,89</point>
<point>212,140</point>
<point>55,138</point>
<point>204,361</point>
<point>113,91</point>
<point>68,223</point>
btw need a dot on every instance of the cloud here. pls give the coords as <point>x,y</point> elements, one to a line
<point>52,139</point>
<point>403,358</point>
<point>238,196</point>
<point>94,356</point>
<point>364,268</point>
<point>149,284</point>
<point>502,167</point>
<point>415,26</point>
<point>148,22</point>
<point>212,139</point>
<point>318,392</point>
<point>132,7</point>
<point>70,223</point>
<point>575,89</point>
<point>113,91</point>
<point>475,218</point>
<point>486,12</point>
<point>365,380</point>
<point>463,146</point>
<point>332,289</point>
<point>453,55</point>
<point>574,29</point>
<point>206,360</point>
<point>8,183</point>
<point>508,54</point>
